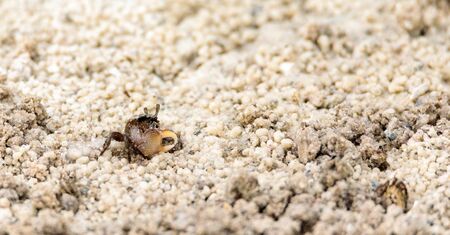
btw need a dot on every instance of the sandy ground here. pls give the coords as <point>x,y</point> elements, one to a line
<point>317,117</point>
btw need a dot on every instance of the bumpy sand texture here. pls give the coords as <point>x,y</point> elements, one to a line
<point>295,116</point>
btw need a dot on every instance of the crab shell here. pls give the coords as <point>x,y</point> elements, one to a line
<point>151,141</point>
<point>394,192</point>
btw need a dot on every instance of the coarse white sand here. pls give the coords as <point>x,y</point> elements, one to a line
<point>293,116</point>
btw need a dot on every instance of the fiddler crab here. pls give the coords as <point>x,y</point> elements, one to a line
<point>143,135</point>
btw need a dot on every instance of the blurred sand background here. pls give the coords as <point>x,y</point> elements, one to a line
<point>291,113</point>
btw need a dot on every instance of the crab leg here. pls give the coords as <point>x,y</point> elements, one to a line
<point>117,136</point>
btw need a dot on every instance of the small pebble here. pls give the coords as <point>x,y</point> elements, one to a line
<point>82,160</point>
<point>287,143</point>
<point>262,132</point>
<point>4,203</point>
